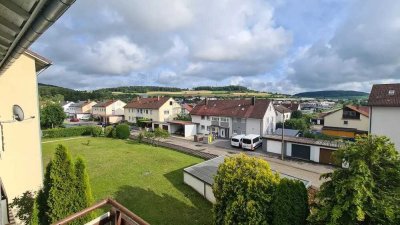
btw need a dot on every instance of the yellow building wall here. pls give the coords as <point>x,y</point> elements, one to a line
<point>21,162</point>
<point>339,133</point>
<point>173,109</point>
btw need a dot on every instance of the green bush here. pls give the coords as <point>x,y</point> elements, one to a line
<point>68,132</point>
<point>122,131</point>
<point>140,137</point>
<point>108,131</point>
<point>290,204</point>
<point>25,206</point>
<point>97,131</point>
<point>243,189</point>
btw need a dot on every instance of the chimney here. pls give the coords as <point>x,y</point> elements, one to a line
<point>253,100</point>
<point>206,100</point>
<point>137,98</point>
<point>158,98</point>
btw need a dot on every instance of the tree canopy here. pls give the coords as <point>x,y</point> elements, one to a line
<point>367,191</point>
<point>52,115</point>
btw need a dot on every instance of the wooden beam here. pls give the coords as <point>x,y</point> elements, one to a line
<point>6,35</point>
<point>15,8</point>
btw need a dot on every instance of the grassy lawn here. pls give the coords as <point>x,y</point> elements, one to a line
<point>147,180</point>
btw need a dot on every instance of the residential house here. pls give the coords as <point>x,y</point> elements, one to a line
<point>292,106</point>
<point>21,23</point>
<point>81,109</point>
<point>66,107</point>
<point>158,109</point>
<point>186,109</point>
<point>225,118</point>
<point>110,111</point>
<point>384,104</point>
<point>347,122</point>
<point>282,113</point>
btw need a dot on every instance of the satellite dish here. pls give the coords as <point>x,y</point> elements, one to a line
<point>18,113</point>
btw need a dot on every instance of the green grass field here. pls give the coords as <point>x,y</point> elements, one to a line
<point>147,180</point>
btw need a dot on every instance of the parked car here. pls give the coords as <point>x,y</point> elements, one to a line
<point>236,141</point>
<point>74,120</point>
<point>251,142</point>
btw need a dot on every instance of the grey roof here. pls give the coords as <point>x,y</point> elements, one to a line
<point>79,104</point>
<point>287,132</point>
<point>22,22</point>
<point>206,171</point>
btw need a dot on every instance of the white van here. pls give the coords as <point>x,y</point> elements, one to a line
<point>236,141</point>
<point>251,141</point>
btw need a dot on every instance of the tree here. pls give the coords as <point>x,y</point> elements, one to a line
<point>243,188</point>
<point>66,190</point>
<point>83,190</point>
<point>290,205</point>
<point>367,191</point>
<point>62,194</point>
<point>122,131</point>
<point>52,115</point>
<point>297,114</point>
<point>297,124</point>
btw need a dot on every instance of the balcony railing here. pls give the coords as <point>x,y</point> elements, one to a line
<point>118,215</point>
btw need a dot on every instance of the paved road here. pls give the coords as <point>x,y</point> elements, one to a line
<point>305,170</point>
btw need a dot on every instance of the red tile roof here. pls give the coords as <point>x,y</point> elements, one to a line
<point>187,107</point>
<point>364,110</point>
<point>380,95</point>
<point>291,106</point>
<point>232,108</point>
<point>147,103</point>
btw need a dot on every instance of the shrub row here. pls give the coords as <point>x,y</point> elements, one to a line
<point>72,131</point>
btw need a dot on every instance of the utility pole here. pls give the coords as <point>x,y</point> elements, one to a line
<point>283,134</point>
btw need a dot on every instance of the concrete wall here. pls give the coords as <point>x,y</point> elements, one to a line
<point>238,126</point>
<point>253,126</point>
<point>21,162</point>
<point>205,122</point>
<point>272,146</point>
<point>190,130</point>
<point>117,108</point>
<point>335,120</point>
<point>386,121</point>
<point>269,121</point>
<point>201,187</point>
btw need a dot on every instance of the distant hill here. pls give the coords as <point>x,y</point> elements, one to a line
<point>235,88</point>
<point>332,94</point>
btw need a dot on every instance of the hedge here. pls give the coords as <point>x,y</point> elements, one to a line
<point>69,132</point>
<point>122,131</point>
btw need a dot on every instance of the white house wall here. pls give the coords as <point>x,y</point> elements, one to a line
<point>190,130</point>
<point>193,182</point>
<point>335,120</point>
<point>274,146</point>
<point>385,121</point>
<point>206,123</point>
<point>209,194</point>
<point>253,126</point>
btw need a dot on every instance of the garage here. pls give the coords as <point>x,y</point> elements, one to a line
<point>325,156</point>
<point>301,151</point>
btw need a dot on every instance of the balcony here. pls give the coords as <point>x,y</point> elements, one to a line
<point>118,215</point>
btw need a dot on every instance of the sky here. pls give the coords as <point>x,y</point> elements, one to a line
<point>285,46</point>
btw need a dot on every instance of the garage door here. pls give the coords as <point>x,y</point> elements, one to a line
<point>301,151</point>
<point>325,156</point>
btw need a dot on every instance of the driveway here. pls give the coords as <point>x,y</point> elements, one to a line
<point>301,169</point>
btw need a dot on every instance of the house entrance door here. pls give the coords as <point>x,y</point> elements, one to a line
<point>223,133</point>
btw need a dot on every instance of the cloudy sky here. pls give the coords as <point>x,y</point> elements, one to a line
<point>283,46</point>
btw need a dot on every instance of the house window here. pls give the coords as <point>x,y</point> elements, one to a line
<point>208,118</point>
<point>208,128</point>
<point>151,111</point>
<point>345,122</point>
<point>147,111</point>
<point>214,118</point>
<point>203,127</point>
<point>170,102</point>
<point>224,119</point>
<point>137,110</point>
<point>166,112</point>
<point>203,117</point>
